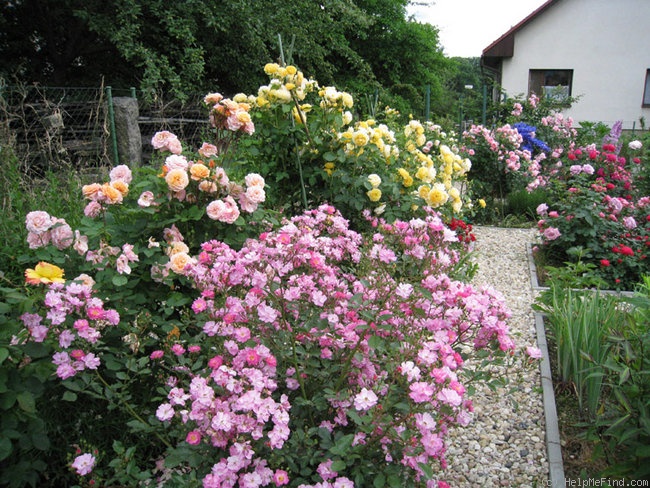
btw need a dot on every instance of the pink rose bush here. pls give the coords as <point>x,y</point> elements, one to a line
<point>306,353</point>
<point>596,207</point>
<point>311,356</point>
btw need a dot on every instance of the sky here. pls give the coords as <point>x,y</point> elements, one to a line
<point>469,26</point>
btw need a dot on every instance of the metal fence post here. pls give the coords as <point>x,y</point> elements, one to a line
<point>111,121</point>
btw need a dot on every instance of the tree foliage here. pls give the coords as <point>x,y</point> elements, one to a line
<point>198,45</point>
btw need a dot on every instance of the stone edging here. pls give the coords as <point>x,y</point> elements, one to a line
<point>553,446</point>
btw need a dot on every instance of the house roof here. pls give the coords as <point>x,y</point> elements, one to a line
<point>504,46</point>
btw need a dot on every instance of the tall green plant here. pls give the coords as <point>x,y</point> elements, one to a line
<point>624,425</point>
<point>579,322</point>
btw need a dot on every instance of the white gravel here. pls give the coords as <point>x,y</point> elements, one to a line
<point>505,444</point>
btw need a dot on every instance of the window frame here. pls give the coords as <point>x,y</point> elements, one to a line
<point>645,102</point>
<point>538,80</point>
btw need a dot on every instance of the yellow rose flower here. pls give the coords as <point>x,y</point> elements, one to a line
<point>437,196</point>
<point>179,261</point>
<point>120,186</point>
<point>177,179</point>
<point>271,68</point>
<point>90,191</point>
<point>291,70</point>
<point>481,203</point>
<point>423,191</point>
<point>290,86</point>
<point>374,195</point>
<point>199,171</point>
<point>360,139</point>
<point>374,180</point>
<point>177,247</point>
<point>44,273</point>
<point>346,98</point>
<point>346,136</point>
<point>447,155</point>
<point>111,194</point>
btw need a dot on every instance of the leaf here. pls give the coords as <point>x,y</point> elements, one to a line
<point>69,396</point>
<point>376,342</point>
<point>119,280</point>
<point>342,445</point>
<point>338,465</point>
<point>427,470</point>
<point>379,481</point>
<point>5,447</point>
<point>26,401</point>
<point>624,376</point>
<point>4,354</point>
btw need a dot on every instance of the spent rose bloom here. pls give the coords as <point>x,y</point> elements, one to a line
<point>635,145</point>
<point>224,210</point>
<point>146,199</point>
<point>166,141</point>
<point>176,162</point>
<point>534,352</point>
<point>208,150</point>
<point>374,180</point>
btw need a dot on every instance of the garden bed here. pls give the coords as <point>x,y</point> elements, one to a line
<point>572,454</point>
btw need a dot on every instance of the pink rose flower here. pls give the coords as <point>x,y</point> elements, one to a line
<point>83,464</point>
<point>38,222</point>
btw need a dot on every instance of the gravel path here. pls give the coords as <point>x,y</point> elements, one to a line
<point>505,443</point>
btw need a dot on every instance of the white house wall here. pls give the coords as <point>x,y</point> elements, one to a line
<point>607,45</point>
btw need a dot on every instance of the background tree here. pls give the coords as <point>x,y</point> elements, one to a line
<point>197,45</point>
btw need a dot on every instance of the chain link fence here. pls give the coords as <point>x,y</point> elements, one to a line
<point>53,128</point>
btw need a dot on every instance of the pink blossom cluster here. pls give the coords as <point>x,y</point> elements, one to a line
<point>228,402</point>
<point>112,192</point>
<point>293,290</point>
<point>44,229</point>
<point>505,142</point>
<point>229,114</point>
<point>193,180</point>
<point>76,318</point>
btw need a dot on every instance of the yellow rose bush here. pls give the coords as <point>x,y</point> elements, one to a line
<point>313,148</point>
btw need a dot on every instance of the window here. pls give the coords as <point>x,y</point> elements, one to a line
<point>646,91</point>
<point>550,83</point>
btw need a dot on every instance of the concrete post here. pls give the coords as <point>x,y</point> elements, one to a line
<point>129,140</point>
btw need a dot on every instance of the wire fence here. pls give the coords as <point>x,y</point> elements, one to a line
<point>62,127</point>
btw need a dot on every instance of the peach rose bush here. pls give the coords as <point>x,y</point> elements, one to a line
<point>189,334</point>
